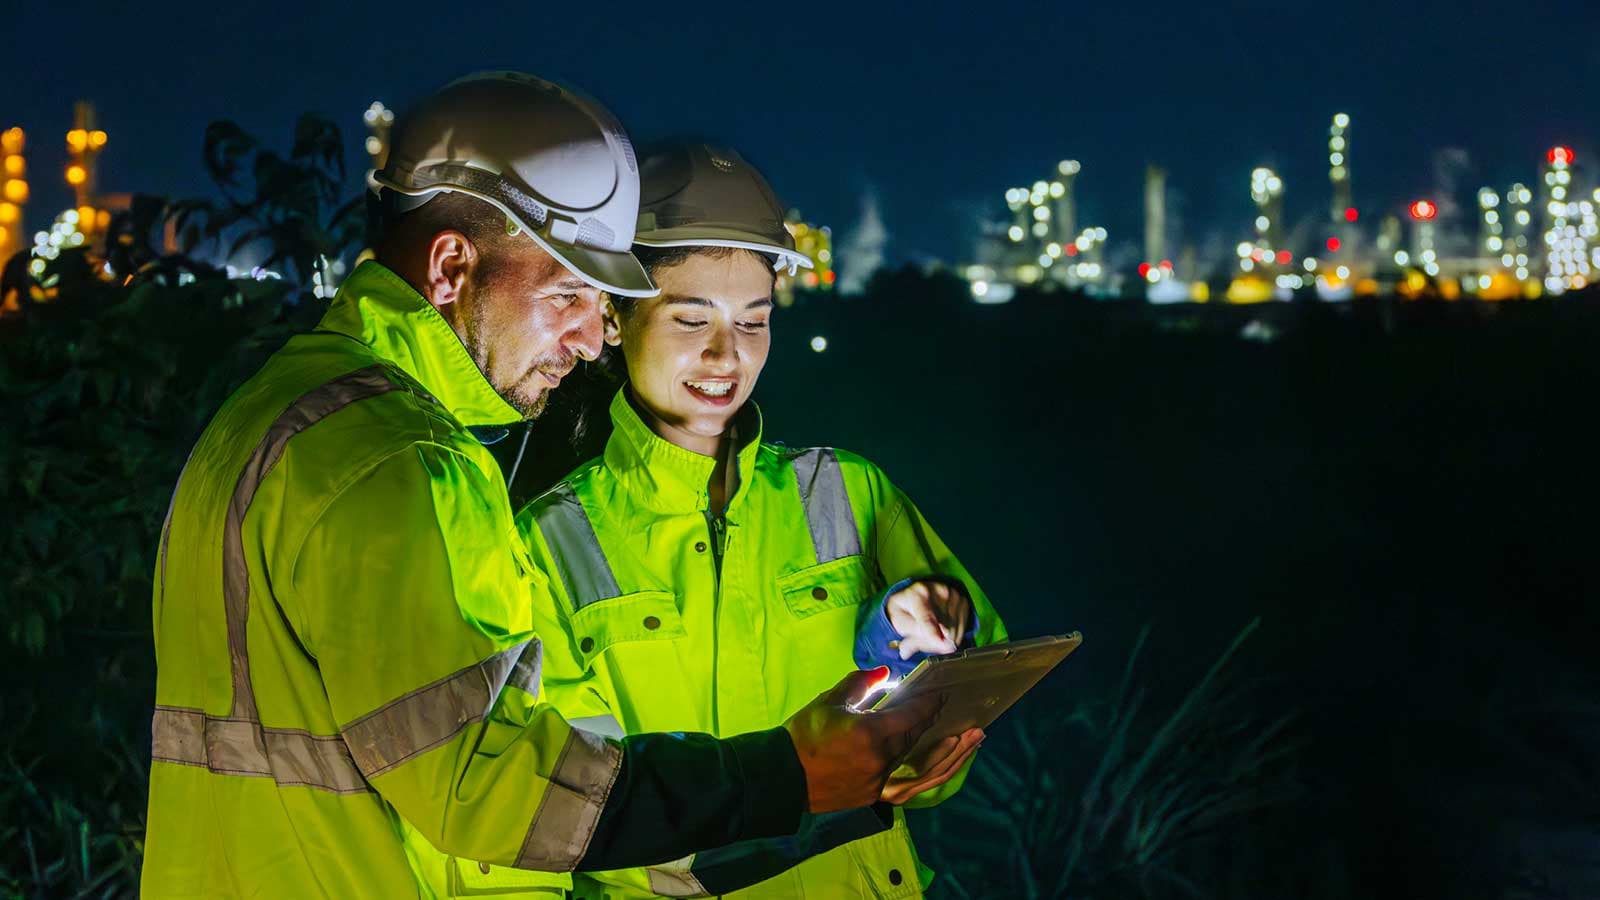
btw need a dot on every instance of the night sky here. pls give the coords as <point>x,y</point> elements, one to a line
<point>937,108</point>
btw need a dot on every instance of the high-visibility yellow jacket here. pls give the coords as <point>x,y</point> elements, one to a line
<point>344,642</point>
<point>664,616</point>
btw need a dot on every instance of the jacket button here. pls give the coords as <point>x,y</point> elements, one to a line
<point>895,877</point>
<point>652,623</point>
<point>484,868</point>
<point>586,644</point>
<point>699,546</point>
<point>819,593</point>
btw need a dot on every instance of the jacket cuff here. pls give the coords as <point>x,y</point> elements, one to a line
<point>875,633</point>
<point>775,796</point>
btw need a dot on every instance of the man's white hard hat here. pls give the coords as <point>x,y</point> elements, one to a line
<point>556,162</point>
<point>703,195</point>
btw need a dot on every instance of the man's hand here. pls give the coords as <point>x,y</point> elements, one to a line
<point>848,755</point>
<point>931,617</point>
<point>942,761</point>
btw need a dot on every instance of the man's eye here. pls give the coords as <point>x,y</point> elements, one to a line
<point>752,326</point>
<point>689,323</point>
<point>562,301</point>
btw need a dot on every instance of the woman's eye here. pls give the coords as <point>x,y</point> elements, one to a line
<point>752,326</point>
<point>689,323</point>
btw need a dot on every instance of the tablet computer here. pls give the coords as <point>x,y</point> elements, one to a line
<point>978,684</point>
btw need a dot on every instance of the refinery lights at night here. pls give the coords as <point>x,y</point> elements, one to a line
<point>1522,242</point>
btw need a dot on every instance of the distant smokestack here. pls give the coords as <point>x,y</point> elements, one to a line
<point>1065,215</point>
<point>1155,214</point>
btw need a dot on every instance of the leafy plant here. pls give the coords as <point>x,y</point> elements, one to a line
<point>292,210</point>
<point>105,382</point>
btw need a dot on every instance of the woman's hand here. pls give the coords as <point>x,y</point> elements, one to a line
<point>932,616</point>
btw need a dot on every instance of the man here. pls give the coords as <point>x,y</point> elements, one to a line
<point>341,617</point>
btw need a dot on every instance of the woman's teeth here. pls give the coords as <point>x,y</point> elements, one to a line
<point>711,388</point>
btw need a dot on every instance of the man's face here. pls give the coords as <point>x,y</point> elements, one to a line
<point>694,352</point>
<point>526,320</point>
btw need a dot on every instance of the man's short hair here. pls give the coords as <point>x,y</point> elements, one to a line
<point>393,230</point>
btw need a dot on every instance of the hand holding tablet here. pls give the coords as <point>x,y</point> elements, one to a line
<point>977,685</point>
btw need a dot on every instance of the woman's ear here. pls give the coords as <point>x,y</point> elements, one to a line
<point>611,324</point>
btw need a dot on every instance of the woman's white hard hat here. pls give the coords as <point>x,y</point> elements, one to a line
<point>703,195</point>
<point>557,163</point>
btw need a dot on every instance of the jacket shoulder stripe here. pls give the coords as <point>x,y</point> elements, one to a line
<point>826,502</point>
<point>579,559</point>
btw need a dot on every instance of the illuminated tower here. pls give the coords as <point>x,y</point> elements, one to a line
<point>1339,168</point>
<point>1569,227</point>
<point>379,120</point>
<point>1266,189</point>
<point>84,143</point>
<point>1519,231</point>
<point>1017,202</point>
<point>1155,214</point>
<point>1423,252</point>
<point>1065,216</point>
<point>1491,230</point>
<point>13,191</point>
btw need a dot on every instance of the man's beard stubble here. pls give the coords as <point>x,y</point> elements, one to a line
<point>529,406</point>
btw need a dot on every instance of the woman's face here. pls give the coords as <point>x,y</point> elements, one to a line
<point>694,352</point>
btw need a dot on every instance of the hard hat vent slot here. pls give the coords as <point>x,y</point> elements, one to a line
<point>482,183</point>
<point>593,233</point>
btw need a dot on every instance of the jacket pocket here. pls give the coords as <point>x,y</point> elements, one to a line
<point>640,616</point>
<point>887,864</point>
<point>473,879</point>
<point>831,585</point>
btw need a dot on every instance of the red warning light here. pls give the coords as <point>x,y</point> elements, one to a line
<point>1333,245</point>
<point>1144,270</point>
<point>1166,264</point>
<point>811,279</point>
<point>1422,210</point>
<point>1560,156</point>
<point>1350,214</point>
<point>1070,249</point>
<point>1285,257</point>
<point>828,276</point>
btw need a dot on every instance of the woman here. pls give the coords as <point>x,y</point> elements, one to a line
<point>707,581</point>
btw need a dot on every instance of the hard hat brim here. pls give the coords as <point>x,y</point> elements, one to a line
<point>616,271</point>
<point>721,237</point>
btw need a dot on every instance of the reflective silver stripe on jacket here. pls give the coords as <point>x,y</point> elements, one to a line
<point>579,785</point>
<point>827,504</point>
<point>430,715</point>
<point>576,550</point>
<point>238,744</point>
<point>604,726</point>
<point>676,879</point>
<point>308,410</point>
<point>230,746</point>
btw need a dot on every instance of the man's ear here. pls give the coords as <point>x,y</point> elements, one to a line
<point>611,324</point>
<point>451,259</point>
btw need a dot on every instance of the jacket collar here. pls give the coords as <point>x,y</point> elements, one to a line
<point>665,477</point>
<point>378,308</point>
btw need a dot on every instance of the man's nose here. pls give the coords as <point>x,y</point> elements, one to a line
<point>586,337</point>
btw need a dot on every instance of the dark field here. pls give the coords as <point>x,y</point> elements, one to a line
<point>1405,498</point>
<point>1399,495</point>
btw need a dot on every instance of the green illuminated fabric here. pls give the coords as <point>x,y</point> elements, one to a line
<point>343,637</point>
<point>654,638</point>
